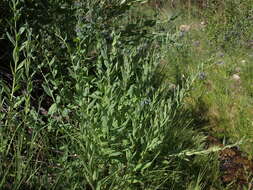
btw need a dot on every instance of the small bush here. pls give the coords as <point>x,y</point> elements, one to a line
<point>83,108</point>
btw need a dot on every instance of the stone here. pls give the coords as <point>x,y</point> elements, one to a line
<point>203,23</point>
<point>184,28</point>
<point>236,77</point>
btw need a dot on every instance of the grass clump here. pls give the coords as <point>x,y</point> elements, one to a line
<point>215,43</point>
<point>217,47</point>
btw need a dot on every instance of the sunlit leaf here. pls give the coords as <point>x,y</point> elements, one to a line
<point>52,109</point>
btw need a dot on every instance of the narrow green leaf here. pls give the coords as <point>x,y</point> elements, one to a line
<point>10,38</point>
<point>147,165</point>
<point>47,90</point>
<point>21,30</point>
<point>95,175</point>
<point>52,109</point>
<point>114,154</point>
<point>19,102</point>
<point>138,167</point>
<point>21,65</point>
<point>52,61</point>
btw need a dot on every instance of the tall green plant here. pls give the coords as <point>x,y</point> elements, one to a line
<point>16,155</point>
<point>101,121</point>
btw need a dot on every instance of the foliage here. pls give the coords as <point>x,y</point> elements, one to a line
<point>84,107</point>
<point>231,24</point>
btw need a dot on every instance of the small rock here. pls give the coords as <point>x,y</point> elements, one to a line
<point>236,77</point>
<point>203,23</point>
<point>184,28</point>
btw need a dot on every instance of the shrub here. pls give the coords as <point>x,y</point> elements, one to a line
<point>82,109</point>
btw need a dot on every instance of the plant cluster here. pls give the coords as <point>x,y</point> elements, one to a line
<point>82,103</point>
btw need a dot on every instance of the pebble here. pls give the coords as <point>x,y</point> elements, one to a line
<point>236,77</point>
<point>184,28</point>
<point>203,23</point>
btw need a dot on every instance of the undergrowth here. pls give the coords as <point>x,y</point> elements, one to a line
<point>85,102</point>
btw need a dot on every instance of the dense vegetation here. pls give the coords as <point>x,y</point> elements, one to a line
<point>100,94</point>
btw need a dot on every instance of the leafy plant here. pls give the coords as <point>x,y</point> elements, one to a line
<point>84,108</point>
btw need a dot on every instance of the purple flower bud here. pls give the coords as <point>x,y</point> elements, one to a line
<point>202,76</point>
<point>220,63</point>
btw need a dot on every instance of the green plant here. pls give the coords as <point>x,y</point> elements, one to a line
<point>84,108</point>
